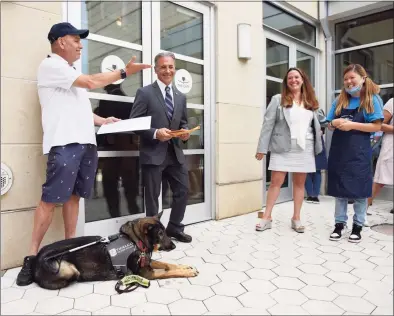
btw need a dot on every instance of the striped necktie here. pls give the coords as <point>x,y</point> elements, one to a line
<point>169,104</point>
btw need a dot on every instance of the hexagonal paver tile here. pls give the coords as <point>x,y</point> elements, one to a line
<point>92,302</point>
<point>192,307</point>
<point>197,252</point>
<point>264,255</point>
<point>319,293</point>
<point>256,300</point>
<point>175,283</point>
<point>222,304</point>
<point>55,305</point>
<point>129,300</point>
<point>387,271</point>
<point>246,250</point>
<point>105,288</point>
<point>367,274</point>
<point>288,283</point>
<point>221,250</point>
<point>250,311</point>
<point>263,263</point>
<point>307,244</point>
<point>379,299</point>
<point>361,264</point>
<point>287,271</point>
<point>333,257</point>
<point>261,274</point>
<point>163,296</point>
<point>260,286</point>
<point>228,289</point>
<point>379,261</point>
<point>38,294</point>
<point>288,297</point>
<point>237,265</point>
<point>375,253</point>
<point>233,276</point>
<point>314,307</point>
<point>207,279</point>
<point>150,309</point>
<point>112,310</point>
<point>263,247</point>
<point>330,249</point>
<point>11,294</point>
<point>337,266</point>
<point>313,269</point>
<point>12,273</point>
<point>18,307</point>
<point>388,279</point>
<point>311,259</point>
<point>309,251</point>
<point>383,311</point>
<point>348,289</point>
<point>196,292</point>
<point>355,255</point>
<point>216,258</point>
<point>75,312</point>
<point>280,309</point>
<point>287,262</point>
<point>354,304</point>
<point>76,290</point>
<point>375,286</point>
<point>6,282</point>
<point>342,277</point>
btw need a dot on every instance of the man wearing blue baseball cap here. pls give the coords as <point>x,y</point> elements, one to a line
<point>69,137</point>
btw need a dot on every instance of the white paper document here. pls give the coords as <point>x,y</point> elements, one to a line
<point>124,126</point>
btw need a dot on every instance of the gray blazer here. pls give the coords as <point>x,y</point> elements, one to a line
<point>149,101</point>
<point>275,133</point>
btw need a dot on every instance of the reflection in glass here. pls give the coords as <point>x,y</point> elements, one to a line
<point>117,141</point>
<point>285,22</point>
<point>386,94</point>
<point>93,55</point>
<point>377,61</point>
<point>277,59</point>
<point>117,189</point>
<point>195,165</point>
<point>307,64</point>
<point>365,30</point>
<point>181,30</point>
<point>196,94</point>
<point>195,117</point>
<point>116,19</point>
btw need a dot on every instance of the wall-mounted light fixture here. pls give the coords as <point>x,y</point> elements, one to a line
<point>244,41</point>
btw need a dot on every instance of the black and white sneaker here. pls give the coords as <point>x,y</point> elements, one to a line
<point>309,199</point>
<point>25,276</point>
<point>355,236</point>
<point>316,200</point>
<point>339,231</point>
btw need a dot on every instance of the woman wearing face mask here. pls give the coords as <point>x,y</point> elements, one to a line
<point>291,132</point>
<point>355,114</point>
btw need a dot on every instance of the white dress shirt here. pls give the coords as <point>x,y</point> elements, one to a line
<point>162,87</point>
<point>300,126</point>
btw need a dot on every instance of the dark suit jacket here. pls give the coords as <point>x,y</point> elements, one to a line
<point>149,101</point>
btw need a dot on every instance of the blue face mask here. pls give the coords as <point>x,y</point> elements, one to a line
<point>353,90</point>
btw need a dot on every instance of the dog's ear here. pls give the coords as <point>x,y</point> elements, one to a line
<point>158,216</point>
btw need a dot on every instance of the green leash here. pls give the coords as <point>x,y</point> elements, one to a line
<point>130,283</point>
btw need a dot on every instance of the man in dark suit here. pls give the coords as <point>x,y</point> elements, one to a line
<point>160,153</point>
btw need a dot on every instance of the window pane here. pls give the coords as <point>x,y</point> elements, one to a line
<point>92,56</point>
<point>364,30</point>
<point>117,141</point>
<point>285,22</point>
<point>181,30</point>
<point>377,61</point>
<point>273,88</point>
<point>196,94</point>
<point>386,94</point>
<point>117,189</point>
<point>196,141</point>
<point>307,64</point>
<point>195,165</point>
<point>119,20</point>
<point>277,59</point>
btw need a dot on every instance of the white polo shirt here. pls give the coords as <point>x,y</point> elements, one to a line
<point>66,111</point>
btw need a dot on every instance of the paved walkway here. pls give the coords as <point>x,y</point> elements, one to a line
<point>244,272</point>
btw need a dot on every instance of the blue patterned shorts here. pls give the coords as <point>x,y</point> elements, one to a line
<point>71,169</point>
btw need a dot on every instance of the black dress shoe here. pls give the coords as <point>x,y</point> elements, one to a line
<point>180,236</point>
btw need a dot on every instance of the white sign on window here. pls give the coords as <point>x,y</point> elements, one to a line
<point>112,63</point>
<point>183,81</point>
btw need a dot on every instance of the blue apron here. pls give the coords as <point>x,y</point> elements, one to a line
<point>321,159</point>
<point>349,161</point>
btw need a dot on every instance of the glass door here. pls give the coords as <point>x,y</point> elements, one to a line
<point>281,54</point>
<point>183,29</point>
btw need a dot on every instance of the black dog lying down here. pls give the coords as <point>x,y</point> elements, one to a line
<point>57,264</point>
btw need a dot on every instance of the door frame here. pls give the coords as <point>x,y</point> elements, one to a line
<point>286,194</point>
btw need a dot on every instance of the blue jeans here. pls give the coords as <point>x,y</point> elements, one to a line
<point>312,183</point>
<point>360,210</point>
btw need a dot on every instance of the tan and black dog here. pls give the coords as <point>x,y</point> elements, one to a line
<point>60,263</point>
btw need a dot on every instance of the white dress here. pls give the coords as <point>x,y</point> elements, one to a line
<point>384,166</point>
<point>301,157</point>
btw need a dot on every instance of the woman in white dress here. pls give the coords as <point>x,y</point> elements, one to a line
<point>291,132</point>
<point>384,168</point>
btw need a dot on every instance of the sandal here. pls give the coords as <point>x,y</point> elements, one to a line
<point>297,226</point>
<point>264,225</point>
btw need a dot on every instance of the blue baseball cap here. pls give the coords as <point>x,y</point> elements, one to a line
<point>63,29</point>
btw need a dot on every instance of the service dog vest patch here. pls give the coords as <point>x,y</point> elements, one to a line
<point>119,250</point>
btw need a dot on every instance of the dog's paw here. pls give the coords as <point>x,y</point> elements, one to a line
<point>185,267</point>
<point>191,273</point>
